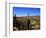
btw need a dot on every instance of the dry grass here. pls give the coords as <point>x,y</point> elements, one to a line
<point>22,24</point>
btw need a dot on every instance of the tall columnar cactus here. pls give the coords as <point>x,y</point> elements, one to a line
<point>28,20</point>
<point>14,21</point>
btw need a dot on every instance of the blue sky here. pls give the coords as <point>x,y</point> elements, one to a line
<point>23,11</point>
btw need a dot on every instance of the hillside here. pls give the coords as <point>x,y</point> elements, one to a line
<point>22,23</point>
<point>30,17</point>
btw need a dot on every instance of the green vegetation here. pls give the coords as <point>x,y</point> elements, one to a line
<point>21,23</point>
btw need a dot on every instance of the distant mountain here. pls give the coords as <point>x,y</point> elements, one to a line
<point>35,17</point>
<point>30,17</point>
